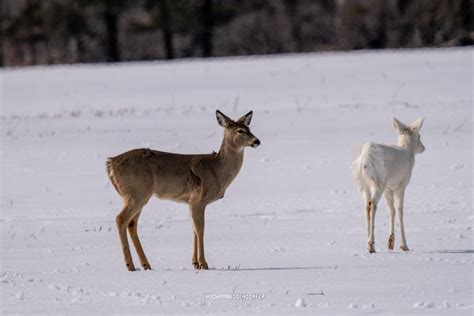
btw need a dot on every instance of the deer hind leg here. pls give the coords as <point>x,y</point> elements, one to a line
<point>370,214</point>
<point>372,206</point>
<point>131,208</point>
<point>391,237</point>
<point>197,216</point>
<point>367,212</point>
<point>132,229</point>
<point>399,197</point>
<point>195,249</point>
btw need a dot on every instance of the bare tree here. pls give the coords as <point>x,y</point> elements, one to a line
<point>166,29</point>
<point>28,29</point>
<point>207,28</point>
<point>58,31</point>
<point>111,17</point>
<point>2,19</point>
<point>292,11</point>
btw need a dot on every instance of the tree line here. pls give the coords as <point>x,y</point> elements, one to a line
<point>89,31</point>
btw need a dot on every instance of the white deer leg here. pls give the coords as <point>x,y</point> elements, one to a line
<point>372,206</point>
<point>399,196</point>
<point>367,211</point>
<point>391,237</point>
<point>373,210</point>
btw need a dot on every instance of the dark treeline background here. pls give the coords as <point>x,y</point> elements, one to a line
<point>77,31</point>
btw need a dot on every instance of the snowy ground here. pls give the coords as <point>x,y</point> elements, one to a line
<point>291,226</point>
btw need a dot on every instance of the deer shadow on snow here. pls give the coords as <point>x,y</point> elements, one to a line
<point>452,251</point>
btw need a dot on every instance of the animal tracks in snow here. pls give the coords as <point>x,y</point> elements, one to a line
<point>138,297</point>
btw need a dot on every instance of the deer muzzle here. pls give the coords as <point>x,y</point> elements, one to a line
<point>255,143</point>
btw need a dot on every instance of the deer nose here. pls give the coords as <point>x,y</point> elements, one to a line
<point>255,143</point>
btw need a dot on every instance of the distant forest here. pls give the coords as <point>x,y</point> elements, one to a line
<point>37,32</point>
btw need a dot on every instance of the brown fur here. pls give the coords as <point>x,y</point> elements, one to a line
<point>196,180</point>
<point>111,174</point>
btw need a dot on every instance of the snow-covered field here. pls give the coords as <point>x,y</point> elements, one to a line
<point>291,226</point>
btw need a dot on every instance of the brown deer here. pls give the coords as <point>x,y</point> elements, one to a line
<point>196,180</point>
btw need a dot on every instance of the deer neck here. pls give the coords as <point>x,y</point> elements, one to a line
<point>230,159</point>
<point>407,144</point>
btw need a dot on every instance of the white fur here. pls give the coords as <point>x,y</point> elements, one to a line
<point>386,169</point>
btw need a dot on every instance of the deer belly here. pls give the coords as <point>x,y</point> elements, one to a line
<point>218,196</point>
<point>176,191</point>
<point>397,180</point>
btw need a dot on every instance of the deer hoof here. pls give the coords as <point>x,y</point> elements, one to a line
<point>130,267</point>
<point>195,265</point>
<point>391,242</point>
<point>371,247</point>
<point>404,248</point>
<point>202,266</point>
<point>146,266</point>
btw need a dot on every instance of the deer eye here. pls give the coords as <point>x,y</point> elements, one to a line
<point>241,131</point>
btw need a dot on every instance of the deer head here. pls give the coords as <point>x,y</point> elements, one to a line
<point>409,136</point>
<point>237,134</point>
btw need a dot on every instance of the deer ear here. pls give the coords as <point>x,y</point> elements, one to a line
<point>223,120</point>
<point>399,126</point>
<point>246,119</point>
<point>416,125</point>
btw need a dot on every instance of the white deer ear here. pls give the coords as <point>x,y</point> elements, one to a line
<point>399,126</point>
<point>246,119</point>
<point>223,120</point>
<point>416,125</point>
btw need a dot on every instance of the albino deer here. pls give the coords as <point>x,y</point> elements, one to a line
<point>196,180</point>
<point>387,169</point>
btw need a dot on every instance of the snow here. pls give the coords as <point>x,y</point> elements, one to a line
<point>291,227</point>
<point>300,303</point>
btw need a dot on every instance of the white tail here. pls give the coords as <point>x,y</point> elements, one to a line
<point>386,169</point>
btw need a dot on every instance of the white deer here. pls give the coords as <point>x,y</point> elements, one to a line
<point>387,169</point>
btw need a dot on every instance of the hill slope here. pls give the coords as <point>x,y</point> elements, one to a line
<point>291,226</point>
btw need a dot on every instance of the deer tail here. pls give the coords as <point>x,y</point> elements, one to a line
<point>110,173</point>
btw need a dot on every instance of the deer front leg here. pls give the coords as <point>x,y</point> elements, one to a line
<point>391,238</point>
<point>197,211</point>
<point>400,195</point>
